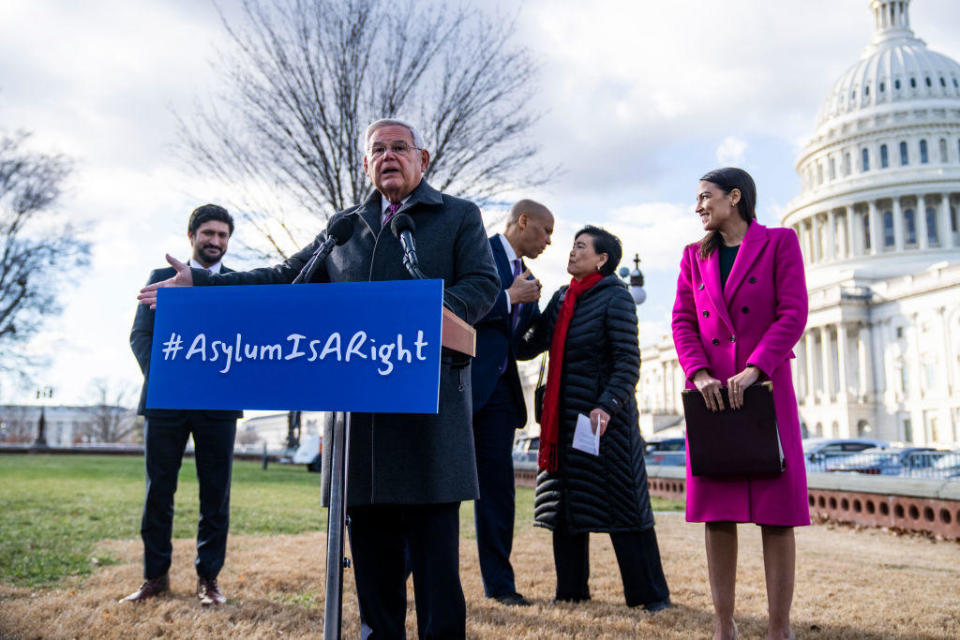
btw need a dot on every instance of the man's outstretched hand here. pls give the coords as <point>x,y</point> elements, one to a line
<point>183,278</point>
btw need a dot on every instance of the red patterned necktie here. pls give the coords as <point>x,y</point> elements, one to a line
<point>391,211</point>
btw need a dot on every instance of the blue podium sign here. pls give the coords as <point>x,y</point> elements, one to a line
<point>359,346</point>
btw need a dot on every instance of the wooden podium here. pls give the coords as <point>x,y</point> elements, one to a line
<point>457,335</point>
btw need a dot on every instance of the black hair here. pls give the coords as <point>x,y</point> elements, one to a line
<point>604,242</point>
<point>728,179</point>
<point>206,213</point>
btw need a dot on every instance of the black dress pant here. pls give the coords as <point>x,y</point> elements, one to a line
<point>494,427</point>
<point>638,557</point>
<point>165,439</point>
<point>380,536</point>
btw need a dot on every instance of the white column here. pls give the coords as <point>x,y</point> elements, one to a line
<point>815,237</point>
<point>946,236</point>
<point>795,373</point>
<point>811,251</point>
<point>826,363</point>
<point>808,348</point>
<point>842,360</point>
<point>865,362</point>
<point>662,400</point>
<point>879,340</point>
<point>804,242</point>
<point>922,222</point>
<point>897,225</point>
<point>856,232</point>
<point>948,360</point>
<point>916,379</point>
<point>849,249</point>
<point>875,228</point>
<point>831,252</point>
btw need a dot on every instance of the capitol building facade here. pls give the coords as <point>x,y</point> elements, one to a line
<point>878,224</point>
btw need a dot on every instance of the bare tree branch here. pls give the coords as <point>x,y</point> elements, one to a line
<point>303,78</point>
<point>111,418</point>
<point>37,252</point>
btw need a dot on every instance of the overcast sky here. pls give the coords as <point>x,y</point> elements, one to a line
<point>641,98</point>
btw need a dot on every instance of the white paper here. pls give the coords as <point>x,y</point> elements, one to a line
<point>584,438</point>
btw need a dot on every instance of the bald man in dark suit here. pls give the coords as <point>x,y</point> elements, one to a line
<point>498,404</point>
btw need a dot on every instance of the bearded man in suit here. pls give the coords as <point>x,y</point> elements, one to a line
<point>165,437</point>
<point>498,404</point>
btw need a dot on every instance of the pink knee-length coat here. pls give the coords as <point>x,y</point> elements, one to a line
<point>756,319</point>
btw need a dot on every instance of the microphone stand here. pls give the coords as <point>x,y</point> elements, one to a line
<point>337,520</point>
<point>413,268</point>
<point>336,523</point>
<point>323,249</point>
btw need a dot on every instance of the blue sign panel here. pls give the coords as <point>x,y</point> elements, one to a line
<point>360,346</point>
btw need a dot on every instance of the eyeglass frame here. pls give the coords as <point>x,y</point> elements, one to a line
<point>392,147</point>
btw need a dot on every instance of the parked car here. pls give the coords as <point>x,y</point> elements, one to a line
<point>946,466</point>
<point>892,461</point>
<point>821,452</point>
<point>526,448</point>
<point>309,453</point>
<point>668,451</point>
<point>665,444</point>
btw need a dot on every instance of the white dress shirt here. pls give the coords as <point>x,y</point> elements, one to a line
<point>214,268</point>
<point>511,258</point>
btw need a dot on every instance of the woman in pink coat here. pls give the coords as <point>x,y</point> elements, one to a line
<point>741,307</point>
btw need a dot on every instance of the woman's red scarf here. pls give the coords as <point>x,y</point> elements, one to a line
<point>550,418</point>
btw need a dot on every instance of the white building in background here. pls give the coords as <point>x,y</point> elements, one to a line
<point>878,224</point>
<point>66,425</point>
<point>260,427</point>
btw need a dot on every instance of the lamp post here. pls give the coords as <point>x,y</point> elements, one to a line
<point>293,430</point>
<point>42,393</point>
<point>634,279</point>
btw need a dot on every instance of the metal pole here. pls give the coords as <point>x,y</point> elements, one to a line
<point>336,522</point>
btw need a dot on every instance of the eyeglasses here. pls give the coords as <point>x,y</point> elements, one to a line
<point>378,149</point>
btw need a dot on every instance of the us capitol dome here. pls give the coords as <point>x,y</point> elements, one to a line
<point>877,220</point>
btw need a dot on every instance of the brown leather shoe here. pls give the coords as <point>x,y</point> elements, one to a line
<point>149,589</point>
<point>208,593</point>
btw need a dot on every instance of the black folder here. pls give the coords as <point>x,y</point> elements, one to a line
<point>742,441</point>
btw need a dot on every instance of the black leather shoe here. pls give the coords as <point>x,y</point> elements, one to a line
<point>208,593</point>
<point>658,606</point>
<point>560,600</point>
<point>149,589</point>
<point>512,600</point>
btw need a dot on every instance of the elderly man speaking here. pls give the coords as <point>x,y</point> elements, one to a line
<point>408,473</point>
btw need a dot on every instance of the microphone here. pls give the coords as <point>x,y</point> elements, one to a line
<point>403,229</point>
<point>338,232</point>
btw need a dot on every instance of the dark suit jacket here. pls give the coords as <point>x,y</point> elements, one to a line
<point>497,338</point>
<point>406,458</point>
<point>141,341</point>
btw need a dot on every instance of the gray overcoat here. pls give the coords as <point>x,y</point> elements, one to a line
<point>407,458</point>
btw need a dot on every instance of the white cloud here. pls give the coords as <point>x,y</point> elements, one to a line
<point>731,151</point>
<point>626,80</point>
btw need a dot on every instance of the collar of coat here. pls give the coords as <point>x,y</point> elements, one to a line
<point>424,194</point>
<point>750,249</point>
<point>610,280</point>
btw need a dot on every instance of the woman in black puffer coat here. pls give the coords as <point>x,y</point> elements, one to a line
<point>590,329</point>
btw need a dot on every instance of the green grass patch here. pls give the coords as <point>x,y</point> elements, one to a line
<point>56,508</point>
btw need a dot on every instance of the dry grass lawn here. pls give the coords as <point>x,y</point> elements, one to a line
<point>851,584</point>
